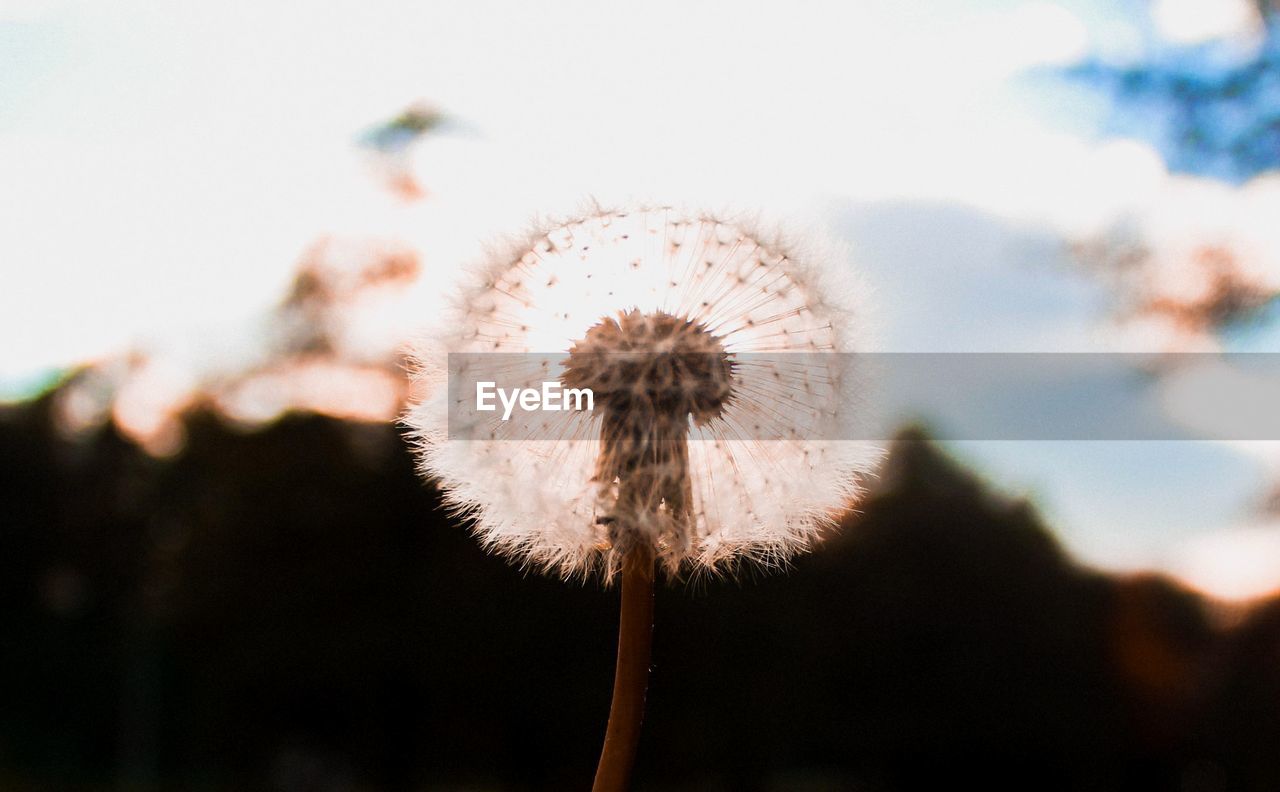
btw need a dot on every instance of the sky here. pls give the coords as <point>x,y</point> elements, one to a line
<point>163,165</point>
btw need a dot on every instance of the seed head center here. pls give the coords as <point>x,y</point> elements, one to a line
<point>649,373</point>
<point>652,366</point>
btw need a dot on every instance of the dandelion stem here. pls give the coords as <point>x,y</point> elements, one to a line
<point>631,677</point>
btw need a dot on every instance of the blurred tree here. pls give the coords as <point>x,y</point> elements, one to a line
<point>290,609</point>
<point>1212,109</point>
<point>391,143</point>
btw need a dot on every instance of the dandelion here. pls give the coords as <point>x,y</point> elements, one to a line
<point>722,421</point>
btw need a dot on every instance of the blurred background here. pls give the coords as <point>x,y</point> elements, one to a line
<point>220,223</point>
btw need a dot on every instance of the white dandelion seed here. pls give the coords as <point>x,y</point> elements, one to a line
<point>723,416</point>
<point>746,459</point>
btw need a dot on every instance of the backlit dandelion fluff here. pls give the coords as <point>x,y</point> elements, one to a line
<point>768,466</point>
<point>723,422</point>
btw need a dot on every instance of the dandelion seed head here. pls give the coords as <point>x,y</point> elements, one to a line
<point>722,425</point>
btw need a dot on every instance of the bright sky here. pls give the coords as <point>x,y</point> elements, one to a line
<point>164,164</point>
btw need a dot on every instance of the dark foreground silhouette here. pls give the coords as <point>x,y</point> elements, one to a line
<point>289,609</point>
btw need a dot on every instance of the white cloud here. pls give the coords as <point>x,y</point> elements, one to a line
<point>1194,21</point>
<point>29,10</point>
